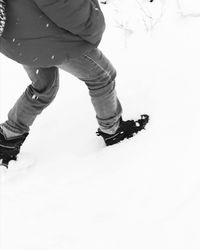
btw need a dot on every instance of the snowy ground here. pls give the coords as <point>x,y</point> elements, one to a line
<point>142,194</point>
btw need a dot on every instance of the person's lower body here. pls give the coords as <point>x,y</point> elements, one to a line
<point>93,68</point>
<point>97,72</point>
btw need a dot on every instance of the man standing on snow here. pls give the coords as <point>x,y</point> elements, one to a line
<point>45,35</point>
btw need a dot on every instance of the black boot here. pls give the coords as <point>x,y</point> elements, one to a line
<point>10,147</point>
<point>127,129</point>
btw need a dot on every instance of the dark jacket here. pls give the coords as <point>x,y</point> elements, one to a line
<point>46,32</point>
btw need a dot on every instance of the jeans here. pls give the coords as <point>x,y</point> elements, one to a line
<point>93,68</point>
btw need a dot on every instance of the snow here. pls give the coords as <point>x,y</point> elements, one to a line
<point>140,194</point>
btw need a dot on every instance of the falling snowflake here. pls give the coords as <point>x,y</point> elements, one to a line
<point>35,59</point>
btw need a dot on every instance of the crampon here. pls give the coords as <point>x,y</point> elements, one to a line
<point>126,130</point>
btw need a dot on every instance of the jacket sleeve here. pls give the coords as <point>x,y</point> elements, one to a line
<point>80,17</point>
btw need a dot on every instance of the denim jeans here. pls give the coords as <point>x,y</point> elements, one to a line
<point>93,68</point>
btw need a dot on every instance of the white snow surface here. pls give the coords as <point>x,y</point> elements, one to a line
<point>142,194</point>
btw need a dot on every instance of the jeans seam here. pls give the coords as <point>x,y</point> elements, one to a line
<point>54,85</point>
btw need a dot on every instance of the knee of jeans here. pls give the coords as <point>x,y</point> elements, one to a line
<point>104,88</point>
<point>48,89</point>
<point>103,83</point>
